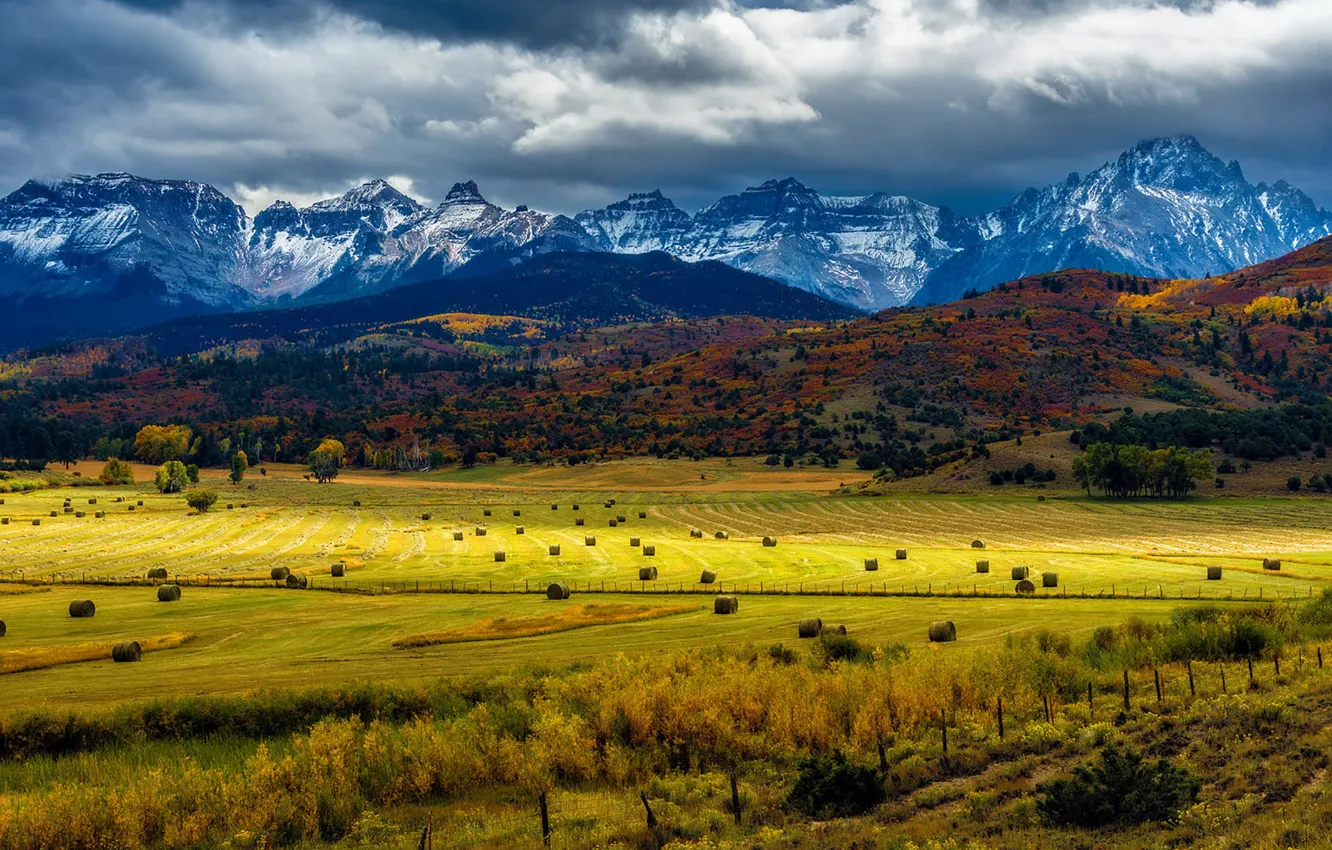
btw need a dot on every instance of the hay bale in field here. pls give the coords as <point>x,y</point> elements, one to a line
<point>36,522</point>
<point>126,652</point>
<point>339,570</point>
<point>1040,498</point>
<point>480,532</point>
<point>580,521</point>
<point>708,577</point>
<point>978,544</point>
<point>770,542</point>
<point>131,507</point>
<point>1049,579</point>
<point>517,512</point>
<point>649,550</point>
<point>168,593</point>
<point>356,503</point>
<point>4,520</point>
<point>1025,586</point>
<point>554,507</point>
<point>92,501</point>
<point>141,503</point>
<point>607,504</point>
<point>575,507</point>
<point>1272,563</point>
<point>1213,573</point>
<point>635,541</point>
<point>612,523</point>
<point>68,501</point>
<point>82,608</point>
<point>982,566</point>
<point>647,573</point>
<point>457,535</point>
<point>554,548</point>
<point>499,556</point>
<point>557,590</point>
<point>230,506</point>
<point>2,628</point>
<point>520,530</point>
<point>642,514</point>
<point>943,631</point>
<point>68,510</point>
<point>871,564</point>
<point>696,532</point>
<point>620,518</point>
<point>279,573</point>
<point>425,517</point>
<point>809,628</point>
<point>590,540</point>
<point>55,513</point>
<point>99,515</point>
<point>722,535</point>
<point>157,573</point>
<point>725,605</point>
<point>485,512</point>
<point>245,504</point>
<point>79,514</point>
<point>297,582</point>
<point>1020,573</point>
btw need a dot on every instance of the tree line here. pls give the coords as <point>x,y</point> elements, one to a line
<point>1130,472</point>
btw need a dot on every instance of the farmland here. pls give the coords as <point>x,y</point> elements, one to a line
<point>430,617</point>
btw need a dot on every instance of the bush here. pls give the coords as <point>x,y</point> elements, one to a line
<point>835,788</point>
<point>116,472</point>
<point>200,500</point>
<point>1293,483</point>
<point>1121,789</point>
<point>834,647</point>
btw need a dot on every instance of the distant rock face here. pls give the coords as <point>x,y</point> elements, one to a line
<point>94,255</point>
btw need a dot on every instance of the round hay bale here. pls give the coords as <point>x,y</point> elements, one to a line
<point>485,512</point>
<point>1019,573</point>
<point>1272,564</point>
<point>575,507</point>
<point>557,590</point>
<point>499,556</point>
<point>835,630</point>
<point>517,512</point>
<point>480,532</point>
<point>1040,498</point>
<point>620,518</point>
<point>649,550</point>
<point>1025,586</point>
<point>647,573</point>
<point>168,593</point>
<point>695,532</point>
<point>356,503</point>
<point>554,549</point>
<point>554,507</point>
<point>607,504</point>
<point>1213,573</point>
<point>635,541</point>
<point>943,631</point>
<point>612,523</point>
<point>2,628</point>
<point>520,530</point>
<point>230,506</point>
<point>725,605</point>
<point>809,628</point>
<point>131,507</point>
<point>580,521</point>
<point>279,573</point>
<point>457,535</point>
<point>126,652</point>
<point>68,510</point>
<point>68,501</point>
<point>978,544</point>
<point>982,566</point>
<point>245,504</point>
<point>901,554</point>
<point>141,503</point>
<point>1049,579</point>
<point>297,582</point>
<point>708,577</point>
<point>590,540</point>
<point>81,608</point>
<point>642,514</point>
<point>770,542</point>
<point>157,573</point>
<point>425,517</point>
<point>871,564</point>
<point>55,513</point>
<point>722,535</point>
<point>339,570</point>
<point>92,501</point>
<point>79,514</point>
<point>36,522</point>
<point>5,520</point>
<point>100,515</point>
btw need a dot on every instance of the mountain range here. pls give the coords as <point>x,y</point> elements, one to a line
<point>105,254</point>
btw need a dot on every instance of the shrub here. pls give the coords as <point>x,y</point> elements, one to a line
<point>835,647</point>
<point>833,787</point>
<point>782,654</point>
<point>200,500</point>
<point>1293,483</point>
<point>116,472</point>
<point>1121,789</point>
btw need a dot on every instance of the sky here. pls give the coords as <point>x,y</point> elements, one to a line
<point>569,104</point>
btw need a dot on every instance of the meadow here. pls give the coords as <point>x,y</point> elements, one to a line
<point>418,608</point>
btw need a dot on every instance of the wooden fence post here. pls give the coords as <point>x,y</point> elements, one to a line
<point>1223,677</point>
<point>1001,718</point>
<point>1126,690</point>
<point>1189,666</point>
<point>1090,708</point>
<point>651,818</point>
<point>943,729</point>
<point>735,797</point>
<point>1156,676</point>
<point>545,820</point>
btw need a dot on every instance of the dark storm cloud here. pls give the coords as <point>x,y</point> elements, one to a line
<point>531,23</point>
<point>567,105</point>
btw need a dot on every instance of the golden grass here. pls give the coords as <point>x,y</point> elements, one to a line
<point>567,619</point>
<point>19,589</point>
<point>37,658</point>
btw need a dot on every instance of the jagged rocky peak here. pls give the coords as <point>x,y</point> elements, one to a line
<point>464,193</point>
<point>1178,162</point>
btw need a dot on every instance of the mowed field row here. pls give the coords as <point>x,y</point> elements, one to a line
<point>1092,547</point>
<point>248,639</point>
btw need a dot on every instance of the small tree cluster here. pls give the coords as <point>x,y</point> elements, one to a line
<point>1132,471</point>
